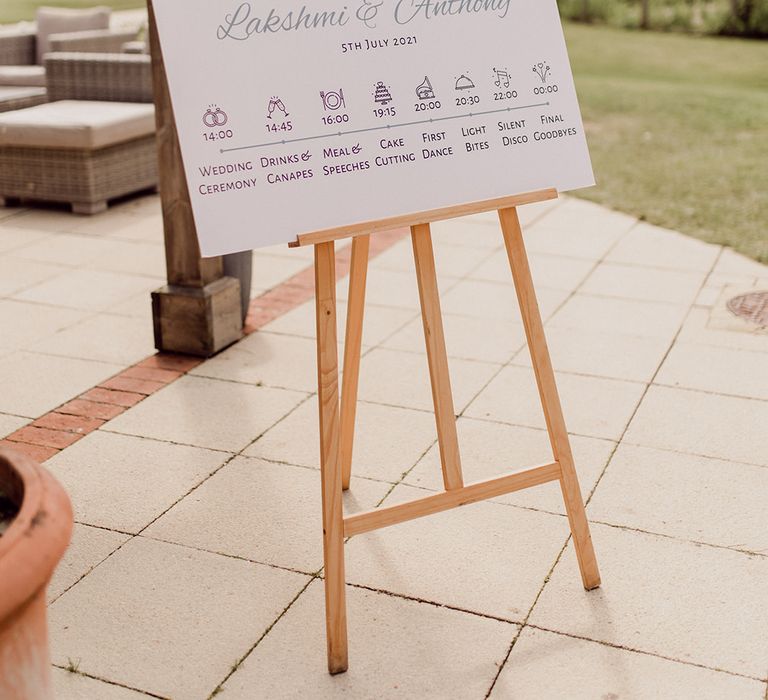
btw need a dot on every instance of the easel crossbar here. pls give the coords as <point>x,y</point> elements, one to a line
<point>446,500</point>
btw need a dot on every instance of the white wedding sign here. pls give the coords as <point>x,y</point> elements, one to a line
<point>304,116</point>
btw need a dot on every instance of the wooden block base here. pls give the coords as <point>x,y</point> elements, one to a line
<point>198,321</point>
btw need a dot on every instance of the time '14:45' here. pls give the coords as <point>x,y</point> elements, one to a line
<point>284,126</point>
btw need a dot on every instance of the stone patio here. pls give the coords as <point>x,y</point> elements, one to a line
<point>195,568</point>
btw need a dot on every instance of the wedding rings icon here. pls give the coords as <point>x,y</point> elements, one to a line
<point>215,117</point>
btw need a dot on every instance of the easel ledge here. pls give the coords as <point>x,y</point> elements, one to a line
<point>426,217</point>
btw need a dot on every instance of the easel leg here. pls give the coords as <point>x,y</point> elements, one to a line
<point>358,274</point>
<point>550,400</point>
<point>330,466</point>
<point>437,356</point>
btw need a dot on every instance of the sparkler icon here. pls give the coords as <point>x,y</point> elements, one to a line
<point>542,70</point>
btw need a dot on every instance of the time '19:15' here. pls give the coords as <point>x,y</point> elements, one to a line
<point>382,112</point>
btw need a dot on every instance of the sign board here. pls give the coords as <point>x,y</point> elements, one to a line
<point>301,116</point>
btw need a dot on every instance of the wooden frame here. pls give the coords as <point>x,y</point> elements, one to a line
<point>337,420</point>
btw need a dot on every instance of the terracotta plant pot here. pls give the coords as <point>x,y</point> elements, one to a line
<point>30,549</point>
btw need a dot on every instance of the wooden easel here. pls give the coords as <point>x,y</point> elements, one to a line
<point>337,419</point>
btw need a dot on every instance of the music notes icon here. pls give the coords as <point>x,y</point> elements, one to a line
<point>502,78</point>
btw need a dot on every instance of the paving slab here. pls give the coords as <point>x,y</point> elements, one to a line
<point>545,665</point>
<point>697,423</point>
<point>593,406</point>
<point>268,513</point>
<point>268,359</point>
<point>485,558</point>
<point>653,246</point>
<point>102,338</point>
<point>12,238</point>
<point>675,599</point>
<point>135,257</point>
<point>548,271</point>
<point>477,231</point>
<point>402,379</point>
<point>389,440</point>
<point>602,353</point>
<point>18,275</point>
<point>88,290</point>
<point>73,686</point>
<point>89,547</point>
<point>208,413</point>
<point>393,288</point>
<point>146,229</point>
<point>271,270</point>
<point>166,619</point>
<point>494,301</point>
<point>683,496</point>
<point>379,322</point>
<point>398,649</point>
<point>123,483</point>
<point>625,316</point>
<point>717,284</point>
<point>137,306</point>
<point>34,384</point>
<point>702,329</point>
<point>66,249</point>
<point>453,261</point>
<point>644,284</point>
<point>10,424</point>
<point>716,370</point>
<point>24,324</point>
<point>43,220</point>
<point>492,449</point>
<point>578,229</point>
<point>465,338</point>
<point>732,263</point>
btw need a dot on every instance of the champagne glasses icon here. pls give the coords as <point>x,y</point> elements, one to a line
<point>276,103</point>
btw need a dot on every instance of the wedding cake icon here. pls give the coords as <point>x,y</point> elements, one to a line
<point>382,95</point>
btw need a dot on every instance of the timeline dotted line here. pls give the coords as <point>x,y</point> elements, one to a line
<point>380,128</point>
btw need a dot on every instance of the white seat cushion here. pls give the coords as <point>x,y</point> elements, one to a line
<point>19,93</point>
<point>22,76</point>
<point>77,124</point>
<point>59,20</point>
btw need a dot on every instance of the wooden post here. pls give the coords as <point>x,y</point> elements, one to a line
<point>550,400</point>
<point>330,465</point>
<point>199,311</point>
<point>358,274</point>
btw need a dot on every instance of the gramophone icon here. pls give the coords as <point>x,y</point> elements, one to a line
<point>274,104</point>
<point>425,91</point>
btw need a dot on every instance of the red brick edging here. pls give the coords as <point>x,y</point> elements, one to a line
<point>55,431</point>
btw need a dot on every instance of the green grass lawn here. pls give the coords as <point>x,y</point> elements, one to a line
<point>16,10</point>
<point>678,130</point>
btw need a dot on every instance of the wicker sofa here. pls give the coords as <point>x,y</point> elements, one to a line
<point>94,142</point>
<point>20,59</point>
